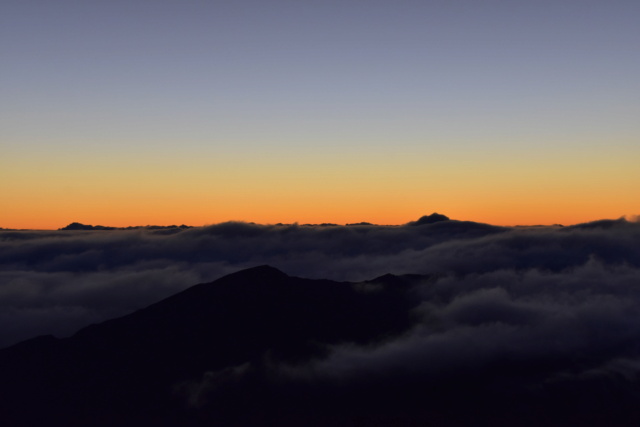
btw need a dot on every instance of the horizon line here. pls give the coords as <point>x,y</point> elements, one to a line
<point>99,227</point>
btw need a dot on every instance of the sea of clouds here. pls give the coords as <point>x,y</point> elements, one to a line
<point>540,278</point>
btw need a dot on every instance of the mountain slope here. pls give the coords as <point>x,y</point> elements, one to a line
<point>127,369</point>
<point>260,348</point>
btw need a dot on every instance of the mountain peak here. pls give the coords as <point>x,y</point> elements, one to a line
<point>430,219</point>
<point>261,271</point>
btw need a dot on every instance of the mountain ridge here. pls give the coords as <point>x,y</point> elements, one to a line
<point>259,347</point>
<point>234,320</point>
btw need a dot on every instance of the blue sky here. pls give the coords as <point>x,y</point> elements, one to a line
<point>443,81</point>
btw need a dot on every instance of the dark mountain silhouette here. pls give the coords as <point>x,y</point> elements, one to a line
<point>429,219</point>
<point>75,226</point>
<point>126,370</point>
<point>260,348</point>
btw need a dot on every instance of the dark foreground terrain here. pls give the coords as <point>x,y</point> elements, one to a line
<point>258,348</point>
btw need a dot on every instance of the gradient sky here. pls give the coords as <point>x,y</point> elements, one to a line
<point>160,112</point>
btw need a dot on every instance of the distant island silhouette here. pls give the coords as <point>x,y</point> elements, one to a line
<point>75,226</point>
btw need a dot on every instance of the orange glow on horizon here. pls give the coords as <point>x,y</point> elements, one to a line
<point>381,189</point>
<point>121,218</point>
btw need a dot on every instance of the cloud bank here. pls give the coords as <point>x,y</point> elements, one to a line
<point>58,281</point>
<point>532,346</point>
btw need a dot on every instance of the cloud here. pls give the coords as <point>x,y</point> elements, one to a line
<point>559,344</point>
<point>58,281</point>
<point>586,315</point>
<point>510,348</point>
<point>197,392</point>
<point>540,321</point>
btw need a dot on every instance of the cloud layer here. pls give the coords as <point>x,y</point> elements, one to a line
<point>539,345</point>
<point>58,281</point>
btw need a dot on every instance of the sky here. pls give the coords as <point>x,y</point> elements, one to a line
<point>197,112</point>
